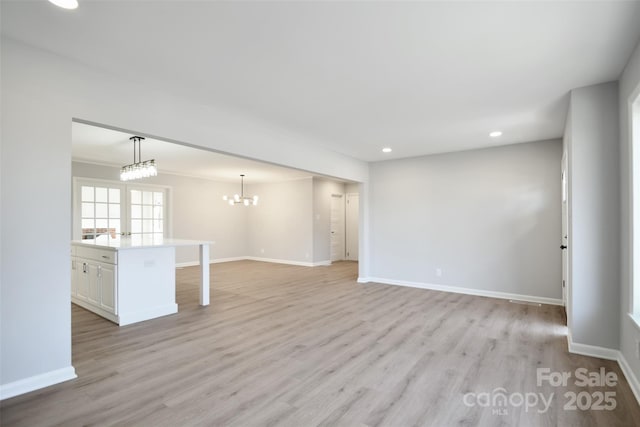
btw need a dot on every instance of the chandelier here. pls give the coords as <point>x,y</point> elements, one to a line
<point>241,198</point>
<point>138,169</point>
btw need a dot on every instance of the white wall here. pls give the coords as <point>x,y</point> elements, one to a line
<point>322,191</point>
<point>280,227</point>
<point>41,94</point>
<point>35,315</point>
<point>489,219</point>
<point>197,211</point>
<point>568,136</point>
<point>284,230</point>
<point>629,88</point>
<point>352,188</point>
<point>594,215</point>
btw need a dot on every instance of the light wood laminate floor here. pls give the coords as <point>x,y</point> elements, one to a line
<point>295,346</point>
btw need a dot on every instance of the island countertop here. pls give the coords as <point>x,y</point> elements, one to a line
<point>137,242</point>
<point>136,276</point>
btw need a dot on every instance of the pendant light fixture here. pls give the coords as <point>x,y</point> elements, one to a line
<point>138,169</point>
<point>241,198</point>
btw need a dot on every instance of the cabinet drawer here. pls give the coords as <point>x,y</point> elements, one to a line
<point>103,255</point>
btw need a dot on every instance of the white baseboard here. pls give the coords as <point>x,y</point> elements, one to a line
<point>212,261</point>
<point>466,291</point>
<point>253,258</point>
<point>591,350</point>
<point>37,382</point>
<point>609,354</point>
<point>631,378</point>
<point>285,261</point>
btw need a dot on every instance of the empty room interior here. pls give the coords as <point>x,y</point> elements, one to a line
<point>320,213</point>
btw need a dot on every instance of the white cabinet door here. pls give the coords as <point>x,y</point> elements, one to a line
<point>107,287</point>
<point>82,289</point>
<point>94,288</point>
<point>95,283</point>
<point>74,276</point>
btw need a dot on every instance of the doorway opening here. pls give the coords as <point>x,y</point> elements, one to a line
<point>185,201</point>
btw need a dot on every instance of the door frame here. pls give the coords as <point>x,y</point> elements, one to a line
<point>341,257</point>
<point>565,231</point>
<point>348,230</point>
<point>78,181</point>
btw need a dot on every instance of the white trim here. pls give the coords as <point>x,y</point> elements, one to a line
<point>229,259</point>
<point>326,263</point>
<point>629,375</point>
<point>253,258</point>
<point>221,260</point>
<point>363,280</point>
<point>635,320</point>
<point>37,382</point>
<point>125,220</point>
<point>284,261</point>
<point>591,350</point>
<point>211,261</point>
<point>609,354</point>
<point>111,181</point>
<point>219,180</point>
<point>466,291</point>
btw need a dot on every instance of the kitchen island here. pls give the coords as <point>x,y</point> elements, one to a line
<point>129,280</point>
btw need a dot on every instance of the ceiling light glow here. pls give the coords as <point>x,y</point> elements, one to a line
<point>495,134</point>
<point>138,169</point>
<point>65,4</point>
<point>386,150</point>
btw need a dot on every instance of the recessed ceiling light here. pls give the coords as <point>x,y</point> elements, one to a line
<point>495,134</point>
<point>65,4</point>
<point>386,150</point>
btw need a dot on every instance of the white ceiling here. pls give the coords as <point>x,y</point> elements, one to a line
<point>420,77</point>
<point>112,147</point>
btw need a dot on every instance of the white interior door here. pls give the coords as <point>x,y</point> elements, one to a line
<point>104,208</point>
<point>99,209</point>
<point>147,207</point>
<point>337,227</point>
<point>565,230</point>
<point>351,228</point>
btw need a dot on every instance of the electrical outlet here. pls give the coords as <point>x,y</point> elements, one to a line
<point>262,250</point>
<point>306,256</point>
<point>439,272</point>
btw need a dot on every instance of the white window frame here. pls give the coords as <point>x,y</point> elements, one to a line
<point>78,182</point>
